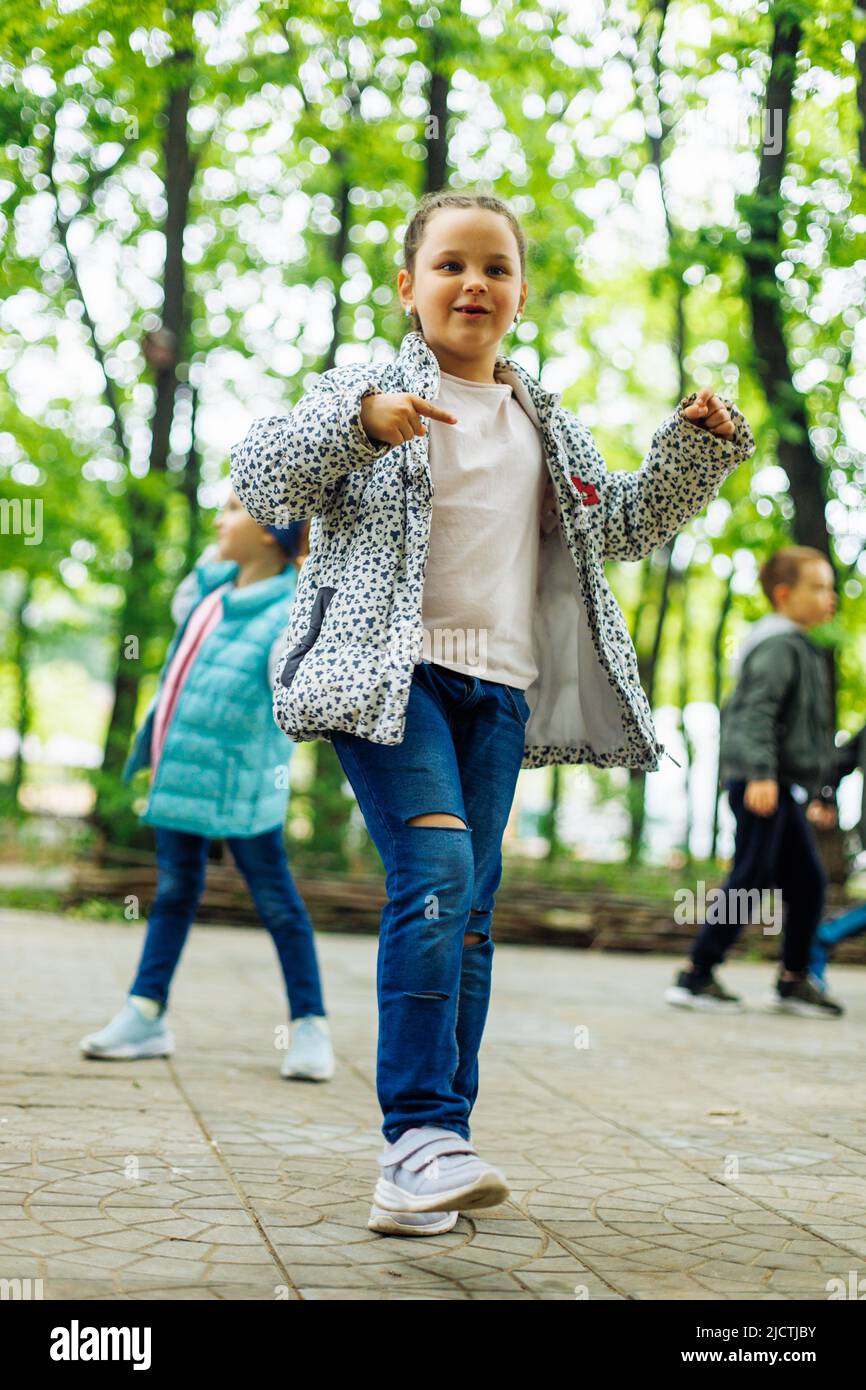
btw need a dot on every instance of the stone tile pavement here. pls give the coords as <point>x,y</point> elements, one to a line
<point>652,1154</point>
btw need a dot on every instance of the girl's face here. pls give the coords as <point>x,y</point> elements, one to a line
<point>239,537</point>
<point>467,257</point>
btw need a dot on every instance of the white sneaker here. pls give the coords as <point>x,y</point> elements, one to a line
<point>310,1056</point>
<point>408,1223</point>
<point>130,1036</point>
<point>433,1169</point>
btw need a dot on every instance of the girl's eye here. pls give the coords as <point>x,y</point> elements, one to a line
<point>446,264</point>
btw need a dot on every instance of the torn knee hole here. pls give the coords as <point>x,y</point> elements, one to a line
<point>440,818</point>
<point>424,994</point>
<point>472,938</point>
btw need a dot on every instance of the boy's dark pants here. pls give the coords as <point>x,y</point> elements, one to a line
<point>777,851</point>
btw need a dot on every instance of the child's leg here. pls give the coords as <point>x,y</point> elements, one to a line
<point>489,740</point>
<point>756,853</point>
<point>851,923</point>
<point>435,952</point>
<point>829,934</point>
<point>181,860</point>
<point>803,881</point>
<point>429,879</point>
<point>262,861</point>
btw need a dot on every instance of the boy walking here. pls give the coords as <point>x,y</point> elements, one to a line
<point>776,734</point>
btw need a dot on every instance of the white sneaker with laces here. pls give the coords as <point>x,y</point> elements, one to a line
<point>434,1169</point>
<point>310,1056</point>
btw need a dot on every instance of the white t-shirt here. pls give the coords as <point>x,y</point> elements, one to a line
<point>489,479</point>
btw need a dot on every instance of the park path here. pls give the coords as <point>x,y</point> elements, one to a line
<point>668,1156</point>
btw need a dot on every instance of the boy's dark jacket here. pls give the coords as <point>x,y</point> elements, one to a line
<point>779,724</point>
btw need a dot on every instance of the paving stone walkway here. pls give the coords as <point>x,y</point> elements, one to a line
<point>667,1155</point>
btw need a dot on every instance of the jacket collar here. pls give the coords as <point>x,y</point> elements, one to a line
<point>417,361</point>
<point>252,598</point>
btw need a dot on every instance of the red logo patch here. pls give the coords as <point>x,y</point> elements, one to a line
<point>588,494</point>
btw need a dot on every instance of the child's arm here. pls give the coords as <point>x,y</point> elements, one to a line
<point>284,466</point>
<point>683,470</point>
<point>752,741</point>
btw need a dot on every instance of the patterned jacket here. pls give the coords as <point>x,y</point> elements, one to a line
<point>356,630</point>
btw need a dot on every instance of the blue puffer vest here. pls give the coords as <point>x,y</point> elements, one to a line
<point>224,766</point>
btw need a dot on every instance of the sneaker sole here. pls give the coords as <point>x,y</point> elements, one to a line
<point>389,1224</point>
<point>800,1008</point>
<point>489,1190</point>
<point>684,999</point>
<point>307,1075</point>
<point>131,1052</point>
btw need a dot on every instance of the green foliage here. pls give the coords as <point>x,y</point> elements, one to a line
<point>303,116</point>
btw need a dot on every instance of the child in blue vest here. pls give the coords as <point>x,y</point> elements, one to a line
<point>219,768</point>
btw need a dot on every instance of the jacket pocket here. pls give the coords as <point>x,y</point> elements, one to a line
<point>320,607</point>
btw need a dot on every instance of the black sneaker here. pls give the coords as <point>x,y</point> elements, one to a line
<point>693,991</point>
<point>803,997</point>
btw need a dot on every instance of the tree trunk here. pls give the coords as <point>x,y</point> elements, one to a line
<point>190,482</point>
<point>145,504</point>
<point>718,641</point>
<point>437,139</point>
<point>761,254</point>
<point>330,808</point>
<point>647,669</point>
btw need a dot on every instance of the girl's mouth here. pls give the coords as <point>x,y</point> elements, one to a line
<point>473,313</point>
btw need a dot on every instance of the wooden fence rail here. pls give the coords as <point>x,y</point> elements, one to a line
<point>526,912</point>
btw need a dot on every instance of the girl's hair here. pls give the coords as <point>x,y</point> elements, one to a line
<point>430,203</point>
<point>784,566</point>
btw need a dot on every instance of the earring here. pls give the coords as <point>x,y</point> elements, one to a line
<point>409,309</point>
<point>517,317</point>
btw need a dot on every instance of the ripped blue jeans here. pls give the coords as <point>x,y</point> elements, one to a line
<point>461,754</point>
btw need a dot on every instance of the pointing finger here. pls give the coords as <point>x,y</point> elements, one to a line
<point>435,412</point>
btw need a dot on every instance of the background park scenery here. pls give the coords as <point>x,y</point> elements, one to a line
<point>201,208</point>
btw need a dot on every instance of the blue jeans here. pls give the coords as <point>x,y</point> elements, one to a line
<point>181,860</point>
<point>461,754</point>
<point>829,933</point>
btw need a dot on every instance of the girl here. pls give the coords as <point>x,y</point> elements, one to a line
<point>454,624</point>
<point>219,767</point>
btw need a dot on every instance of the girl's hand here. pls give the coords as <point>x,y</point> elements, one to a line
<point>710,413</point>
<point>392,417</point>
